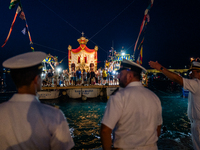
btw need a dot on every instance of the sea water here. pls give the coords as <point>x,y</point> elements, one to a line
<point>84,118</point>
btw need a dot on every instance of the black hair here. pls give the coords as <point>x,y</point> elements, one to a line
<point>136,74</point>
<point>25,76</point>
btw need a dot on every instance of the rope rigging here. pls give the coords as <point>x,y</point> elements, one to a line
<point>96,32</point>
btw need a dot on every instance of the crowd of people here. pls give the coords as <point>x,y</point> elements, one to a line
<point>133,114</point>
<point>79,77</point>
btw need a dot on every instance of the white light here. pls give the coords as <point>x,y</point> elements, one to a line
<point>58,69</point>
<point>123,54</point>
<point>114,72</point>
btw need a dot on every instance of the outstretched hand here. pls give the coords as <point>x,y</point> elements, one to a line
<point>155,65</point>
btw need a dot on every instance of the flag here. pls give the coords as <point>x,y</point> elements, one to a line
<point>139,59</point>
<point>13,3</point>
<point>22,15</point>
<point>141,28</point>
<point>148,18</point>
<point>141,44</point>
<point>144,22</point>
<point>24,31</point>
<point>18,10</point>
<point>16,13</point>
<point>141,54</point>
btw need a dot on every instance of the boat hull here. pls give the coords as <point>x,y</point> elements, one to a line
<point>48,94</point>
<point>110,90</point>
<point>78,93</point>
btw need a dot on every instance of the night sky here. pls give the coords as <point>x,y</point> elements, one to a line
<point>172,35</point>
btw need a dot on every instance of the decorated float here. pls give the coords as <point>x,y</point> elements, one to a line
<point>82,57</point>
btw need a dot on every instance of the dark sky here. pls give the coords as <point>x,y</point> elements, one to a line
<point>172,35</point>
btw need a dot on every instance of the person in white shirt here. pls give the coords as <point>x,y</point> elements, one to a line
<point>100,76</point>
<point>134,113</point>
<point>25,122</point>
<point>193,85</point>
<point>67,77</point>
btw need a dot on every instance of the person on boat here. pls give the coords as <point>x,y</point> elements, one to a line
<point>133,113</point>
<point>73,77</point>
<point>67,76</point>
<point>62,78</point>
<point>104,75</point>
<point>92,77</point>
<point>88,77</point>
<point>50,76</point>
<point>96,76</point>
<point>99,76</point>
<point>84,77</point>
<point>193,85</point>
<point>25,122</point>
<point>106,64</point>
<point>78,76</point>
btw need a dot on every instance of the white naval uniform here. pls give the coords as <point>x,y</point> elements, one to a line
<point>134,113</point>
<point>25,123</point>
<point>193,85</point>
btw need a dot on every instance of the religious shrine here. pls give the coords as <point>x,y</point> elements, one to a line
<point>82,57</point>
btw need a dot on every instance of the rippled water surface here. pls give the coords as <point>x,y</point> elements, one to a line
<point>84,118</point>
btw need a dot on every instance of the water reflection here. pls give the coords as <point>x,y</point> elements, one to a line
<point>85,119</point>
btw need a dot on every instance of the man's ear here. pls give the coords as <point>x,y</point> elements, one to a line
<point>36,79</point>
<point>129,76</point>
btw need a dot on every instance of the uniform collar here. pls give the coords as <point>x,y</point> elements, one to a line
<point>135,83</point>
<point>24,97</point>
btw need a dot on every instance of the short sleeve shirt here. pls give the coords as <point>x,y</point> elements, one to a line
<point>28,124</point>
<point>134,113</point>
<point>193,85</point>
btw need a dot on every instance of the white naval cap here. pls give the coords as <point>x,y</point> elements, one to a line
<point>25,60</point>
<point>195,66</point>
<point>127,64</point>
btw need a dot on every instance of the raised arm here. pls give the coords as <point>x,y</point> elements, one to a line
<point>172,76</point>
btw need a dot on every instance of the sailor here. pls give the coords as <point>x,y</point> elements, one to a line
<point>193,85</point>
<point>25,122</point>
<point>133,113</point>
